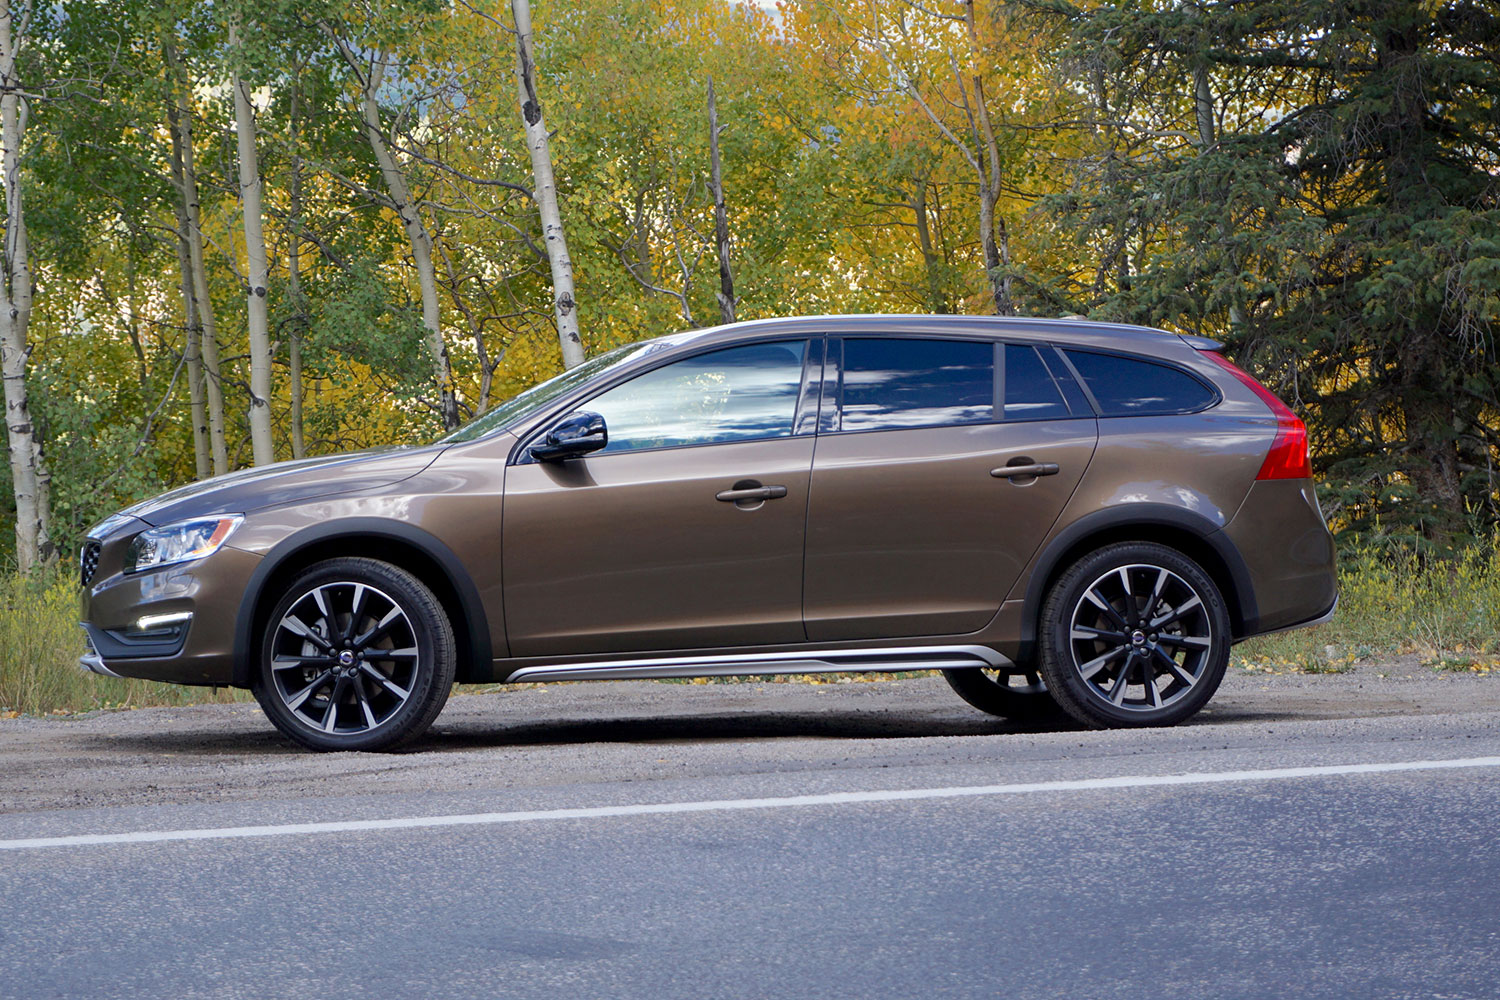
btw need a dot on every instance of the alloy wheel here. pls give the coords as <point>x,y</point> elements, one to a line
<point>1140,638</point>
<point>344,658</point>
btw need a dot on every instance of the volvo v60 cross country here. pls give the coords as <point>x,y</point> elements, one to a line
<point>1056,514</point>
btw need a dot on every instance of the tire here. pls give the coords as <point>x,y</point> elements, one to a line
<point>357,654</point>
<point>1133,634</point>
<point>1016,693</point>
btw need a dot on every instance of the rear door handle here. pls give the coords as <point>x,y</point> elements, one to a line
<point>1018,471</point>
<point>753,493</point>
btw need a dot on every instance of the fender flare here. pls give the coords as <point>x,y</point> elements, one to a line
<point>1143,515</point>
<point>477,631</point>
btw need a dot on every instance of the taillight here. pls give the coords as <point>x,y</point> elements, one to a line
<point>1287,458</point>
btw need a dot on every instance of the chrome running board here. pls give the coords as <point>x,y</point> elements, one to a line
<point>822,661</point>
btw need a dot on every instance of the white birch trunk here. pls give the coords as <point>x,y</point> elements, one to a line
<point>564,303</point>
<point>191,349</point>
<point>727,298</point>
<point>417,236</point>
<point>28,474</point>
<point>208,325</point>
<point>193,357</point>
<point>258,320</point>
<point>298,324</point>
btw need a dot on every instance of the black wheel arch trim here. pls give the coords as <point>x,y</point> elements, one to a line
<point>1141,515</point>
<point>476,624</point>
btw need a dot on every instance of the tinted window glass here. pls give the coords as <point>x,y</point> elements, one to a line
<point>1127,387</point>
<point>730,395</point>
<point>539,396</point>
<point>891,383</point>
<point>1030,393</point>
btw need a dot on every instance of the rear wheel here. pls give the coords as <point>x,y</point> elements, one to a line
<point>1134,634</point>
<point>357,655</point>
<point>1015,692</point>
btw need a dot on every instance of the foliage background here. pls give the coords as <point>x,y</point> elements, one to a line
<point>1315,183</point>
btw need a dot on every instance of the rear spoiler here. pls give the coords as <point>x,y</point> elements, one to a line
<point>1201,343</point>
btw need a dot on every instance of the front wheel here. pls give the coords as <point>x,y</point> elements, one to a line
<point>1133,634</point>
<point>357,655</point>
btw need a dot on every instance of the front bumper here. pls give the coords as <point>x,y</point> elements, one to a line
<point>91,661</point>
<point>174,624</point>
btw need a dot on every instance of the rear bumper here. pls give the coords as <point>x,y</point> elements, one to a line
<point>1288,551</point>
<point>1322,619</point>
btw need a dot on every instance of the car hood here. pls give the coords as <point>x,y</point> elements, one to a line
<point>286,482</point>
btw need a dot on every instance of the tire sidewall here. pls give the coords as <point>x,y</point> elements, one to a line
<point>1075,695</point>
<point>435,649</point>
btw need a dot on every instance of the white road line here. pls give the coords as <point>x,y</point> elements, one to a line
<point>716,805</point>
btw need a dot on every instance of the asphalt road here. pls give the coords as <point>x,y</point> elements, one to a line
<point>636,840</point>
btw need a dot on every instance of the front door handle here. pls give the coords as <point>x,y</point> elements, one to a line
<point>1030,470</point>
<point>752,494</point>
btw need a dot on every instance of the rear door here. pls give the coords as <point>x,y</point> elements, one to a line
<point>913,527</point>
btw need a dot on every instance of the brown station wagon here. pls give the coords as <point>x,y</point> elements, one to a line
<point>1060,516</point>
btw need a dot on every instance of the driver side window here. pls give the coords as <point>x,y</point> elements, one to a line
<point>737,394</point>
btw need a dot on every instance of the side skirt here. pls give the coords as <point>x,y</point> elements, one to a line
<point>823,661</point>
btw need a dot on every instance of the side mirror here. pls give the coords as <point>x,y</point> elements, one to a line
<point>574,436</point>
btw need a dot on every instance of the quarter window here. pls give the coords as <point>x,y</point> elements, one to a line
<point>892,383</point>
<point>737,394</point>
<point>1030,392</point>
<point>1130,387</point>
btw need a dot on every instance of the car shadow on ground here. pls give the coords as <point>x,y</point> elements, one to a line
<point>863,725</point>
<point>476,732</point>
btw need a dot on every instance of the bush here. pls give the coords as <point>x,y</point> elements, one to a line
<point>1397,602</point>
<point>40,642</point>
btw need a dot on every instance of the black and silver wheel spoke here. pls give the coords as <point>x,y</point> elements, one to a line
<point>1186,641</point>
<point>1098,663</point>
<point>1140,637</point>
<point>296,700</point>
<point>1108,609</point>
<point>344,658</point>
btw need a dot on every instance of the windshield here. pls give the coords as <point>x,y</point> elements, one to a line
<point>540,395</point>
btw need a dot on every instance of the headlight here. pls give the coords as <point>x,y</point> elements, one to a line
<point>175,543</point>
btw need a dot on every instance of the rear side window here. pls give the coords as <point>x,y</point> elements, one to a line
<point>1132,387</point>
<point>1030,392</point>
<point>891,383</point>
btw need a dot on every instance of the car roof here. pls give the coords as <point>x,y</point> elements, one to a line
<point>1069,330</point>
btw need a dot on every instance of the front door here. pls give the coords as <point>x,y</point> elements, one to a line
<point>910,530</point>
<point>685,531</point>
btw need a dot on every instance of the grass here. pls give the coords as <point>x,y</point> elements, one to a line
<point>40,642</point>
<point>1445,612</point>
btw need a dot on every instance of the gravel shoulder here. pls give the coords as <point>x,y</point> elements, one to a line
<point>638,731</point>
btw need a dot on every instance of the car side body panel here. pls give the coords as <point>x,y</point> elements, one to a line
<point>634,550</point>
<point>910,534</point>
<point>1295,579</point>
<point>447,519</point>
